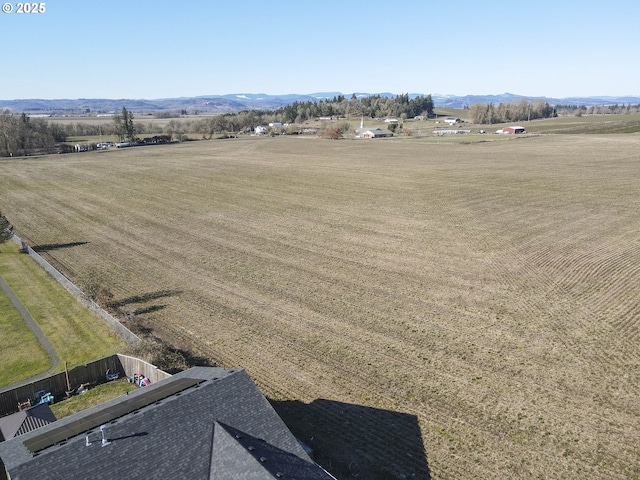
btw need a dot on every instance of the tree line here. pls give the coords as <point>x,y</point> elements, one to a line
<point>374,106</point>
<point>616,109</point>
<point>488,113</point>
<point>21,135</point>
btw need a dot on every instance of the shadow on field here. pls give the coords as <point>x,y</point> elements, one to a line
<point>353,441</point>
<point>146,297</point>
<point>150,309</point>
<point>56,246</point>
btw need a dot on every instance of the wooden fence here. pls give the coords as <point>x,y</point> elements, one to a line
<point>132,365</point>
<point>91,373</point>
<point>127,334</point>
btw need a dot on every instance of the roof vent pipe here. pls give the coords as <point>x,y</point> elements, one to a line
<point>105,441</point>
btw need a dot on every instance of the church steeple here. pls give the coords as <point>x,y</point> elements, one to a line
<point>362,122</point>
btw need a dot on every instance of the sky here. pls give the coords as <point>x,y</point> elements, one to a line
<point>140,49</point>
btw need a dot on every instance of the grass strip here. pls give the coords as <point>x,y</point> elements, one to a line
<point>21,356</point>
<point>76,334</point>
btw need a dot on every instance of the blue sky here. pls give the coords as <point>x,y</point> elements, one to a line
<point>160,49</point>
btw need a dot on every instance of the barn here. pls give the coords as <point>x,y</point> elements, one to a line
<point>512,130</point>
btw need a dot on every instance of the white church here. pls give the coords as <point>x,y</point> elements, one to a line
<point>368,132</point>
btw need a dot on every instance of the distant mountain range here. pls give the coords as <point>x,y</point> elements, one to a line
<point>251,101</point>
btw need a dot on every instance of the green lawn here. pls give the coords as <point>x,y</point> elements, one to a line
<point>21,356</point>
<point>91,398</point>
<point>76,334</point>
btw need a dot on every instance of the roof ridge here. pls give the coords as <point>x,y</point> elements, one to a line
<point>266,457</point>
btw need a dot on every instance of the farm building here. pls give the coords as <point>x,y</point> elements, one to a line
<point>452,120</point>
<point>202,423</point>
<point>261,130</point>
<point>369,132</point>
<point>513,130</point>
<point>450,131</point>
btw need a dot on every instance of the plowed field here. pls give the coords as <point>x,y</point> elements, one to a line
<point>411,309</point>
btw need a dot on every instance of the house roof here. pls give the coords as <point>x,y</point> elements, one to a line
<point>376,132</point>
<point>216,425</point>
<point>25,421</point>
<point>235,451</point>
<point>373,131</point>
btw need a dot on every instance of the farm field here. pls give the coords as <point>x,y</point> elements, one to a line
<point>412,309</point>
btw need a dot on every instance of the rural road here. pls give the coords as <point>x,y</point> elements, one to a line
<point>35,329</point>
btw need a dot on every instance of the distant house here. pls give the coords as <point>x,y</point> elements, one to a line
<point>275,124</point>
<point>370,132</point>
<point>452,120</point>
<point>391,120</point>
<point>203,423</point>
<point>261,130</point>
<point>25,421</point>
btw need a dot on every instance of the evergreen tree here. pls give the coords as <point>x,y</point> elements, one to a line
<point>6,230</point>
<point>124,126</point>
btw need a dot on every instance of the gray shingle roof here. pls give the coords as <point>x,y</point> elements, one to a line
<point>235,451</point>
<point>25,421</point>
<point>199,433</point>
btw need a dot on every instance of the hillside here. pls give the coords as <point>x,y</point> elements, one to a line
<point>230,103</point>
